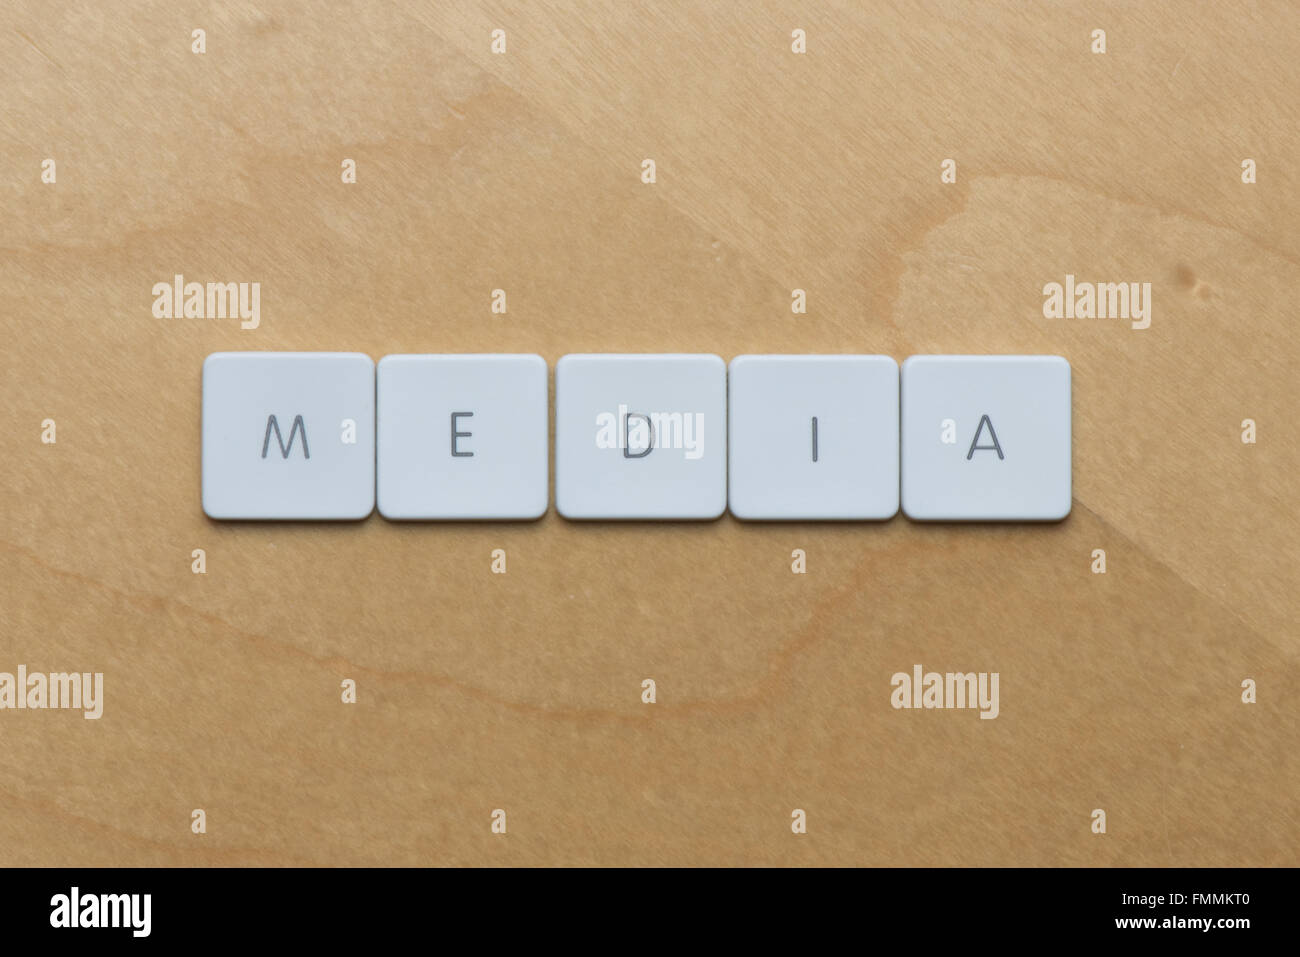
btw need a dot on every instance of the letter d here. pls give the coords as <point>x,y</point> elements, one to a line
<point>627,431</point>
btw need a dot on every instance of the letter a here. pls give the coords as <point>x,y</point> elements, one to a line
<point>974,443</point>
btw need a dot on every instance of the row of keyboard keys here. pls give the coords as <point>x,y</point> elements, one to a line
<point>293,436</point>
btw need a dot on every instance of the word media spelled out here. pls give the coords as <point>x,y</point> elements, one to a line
<point>327,435</point>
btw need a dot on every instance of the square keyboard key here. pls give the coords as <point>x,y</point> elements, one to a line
<point>288,435</point>
<point>462,437</point>
<point>986,438</point>
<point>641,436</point>
<point>813,437</point>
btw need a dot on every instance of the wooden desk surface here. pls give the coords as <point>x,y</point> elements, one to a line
<point>775,171</point>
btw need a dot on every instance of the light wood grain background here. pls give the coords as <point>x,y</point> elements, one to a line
<point>775,171</point>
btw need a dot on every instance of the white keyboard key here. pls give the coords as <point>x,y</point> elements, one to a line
<point>986,438</point>
<point>462,437</point>
<point>813,437</point>
<point>641,436</point>
<point>288,435</point>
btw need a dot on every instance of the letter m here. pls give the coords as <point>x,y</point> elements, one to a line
<point>119,905</point>
<point>66,689</point>
<point>222,298</point>
<point>1116,300</point>
<point>273,426</point>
